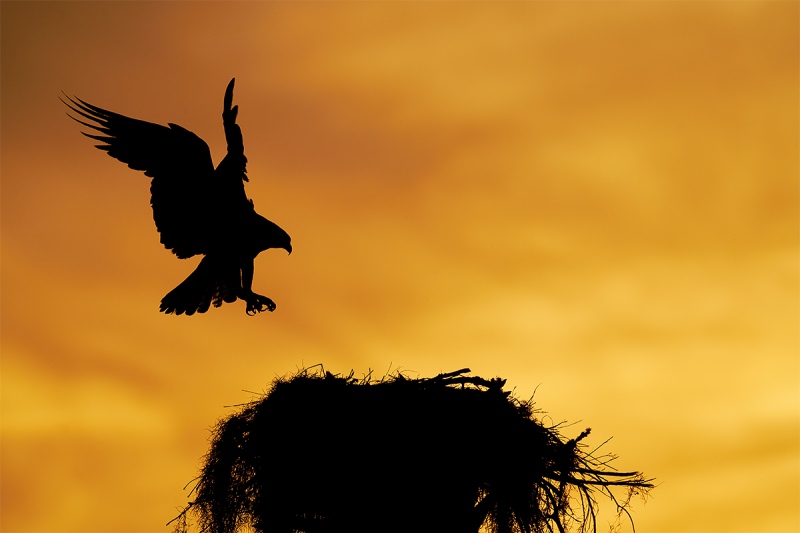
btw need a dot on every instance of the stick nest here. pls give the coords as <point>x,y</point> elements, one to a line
<point>325,452</point>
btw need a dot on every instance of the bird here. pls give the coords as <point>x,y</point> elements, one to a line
<point>197,209</point>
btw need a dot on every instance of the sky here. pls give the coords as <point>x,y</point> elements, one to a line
<point>597,201</point>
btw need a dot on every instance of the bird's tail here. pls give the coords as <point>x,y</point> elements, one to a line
<point>208,284</point>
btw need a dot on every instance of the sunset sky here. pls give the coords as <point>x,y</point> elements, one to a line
<point>595,200</point>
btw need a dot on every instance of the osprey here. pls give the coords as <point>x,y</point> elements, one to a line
<point>198,209</point>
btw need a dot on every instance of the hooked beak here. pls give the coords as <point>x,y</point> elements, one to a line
<point>288,248</point>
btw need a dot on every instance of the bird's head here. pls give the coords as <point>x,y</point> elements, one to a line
<point>270,235</point>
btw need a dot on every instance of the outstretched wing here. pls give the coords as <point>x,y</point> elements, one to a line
<point>177,160</point>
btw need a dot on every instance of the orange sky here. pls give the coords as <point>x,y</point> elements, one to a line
<point>598,199</point>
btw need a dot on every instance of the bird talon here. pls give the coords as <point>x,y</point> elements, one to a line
<point>259,304</point>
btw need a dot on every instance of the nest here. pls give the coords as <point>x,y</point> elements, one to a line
<point>325,452</point>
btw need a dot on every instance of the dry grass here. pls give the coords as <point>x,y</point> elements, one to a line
<point>325,452</point>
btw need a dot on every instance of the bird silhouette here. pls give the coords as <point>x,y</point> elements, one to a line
<point>198,210</point>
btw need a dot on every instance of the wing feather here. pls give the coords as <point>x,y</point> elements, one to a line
<point>179,163</point>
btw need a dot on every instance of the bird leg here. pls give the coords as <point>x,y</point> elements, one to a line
<point>255,302</point>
